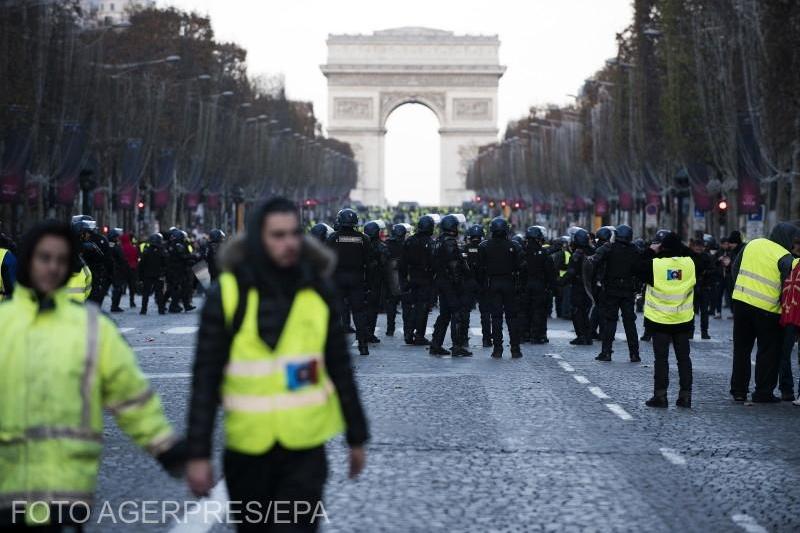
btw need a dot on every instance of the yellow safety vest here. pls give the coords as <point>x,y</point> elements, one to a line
<point>563,269</point>
<point>759,280</point>
<point>79,286</point>
<point>3,295</point>
<point>284,394</point>
<point>670,300</point>
<point>61,367</point>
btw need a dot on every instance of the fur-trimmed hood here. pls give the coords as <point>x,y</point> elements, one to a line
<point>315,258</point>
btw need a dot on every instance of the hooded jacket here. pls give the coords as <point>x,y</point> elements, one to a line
<point>246,258</point>
<point>784,234</point>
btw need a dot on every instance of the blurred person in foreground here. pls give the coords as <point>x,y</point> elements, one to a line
<point>271,350</point>
<point>62,364</point>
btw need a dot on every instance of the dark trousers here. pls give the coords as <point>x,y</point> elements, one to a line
<point>374,307</point>
<point>421,294</point>
<point>750,326</point>
<point>785,380</point>
<point>535,308</point>
<point>612,306</point>
<point>155,287</point>
<point>100,283</point>
<point>449,314</point>
<point>175,290</point>
<point>503,302</point>
<point>132,280</point>
<point>703,297</point>
<point>353,294</point>
<point>276,477</point>
<point>661,344</point>
<point>391,312</point>
<point>595,318</point>
<point>580,312</point>
<point>118,287</point>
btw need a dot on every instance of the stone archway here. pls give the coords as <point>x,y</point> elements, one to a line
<point>456,76</point>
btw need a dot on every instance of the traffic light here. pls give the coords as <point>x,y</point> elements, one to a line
<point>140,205</point>
<point>723,205</point>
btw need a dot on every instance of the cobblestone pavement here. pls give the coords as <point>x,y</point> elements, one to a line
<point>554,441</point>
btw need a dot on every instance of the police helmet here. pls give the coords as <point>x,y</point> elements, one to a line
<point>449,224</point>
<point>114,234</point>
<point>581,238</point>
<point>216,236</point>
<point>475,232</point>
<point>321,231</point>
<point>605,233</point>
<point>624,233</point>
<point>347,218</point>
<point>372,229</point>
<point>535,233</point>
<point>519,238</point>
<point>399,231</point>
<point>155,239</point>
<point>425,224</point>
<point>660,235</point>
<point>499,227</point>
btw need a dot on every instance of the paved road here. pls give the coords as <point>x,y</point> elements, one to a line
<point>552,442</point>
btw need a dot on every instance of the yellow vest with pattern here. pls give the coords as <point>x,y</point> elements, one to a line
<point>759,280</point>
<point>282,394</point>
<point>670,300</point>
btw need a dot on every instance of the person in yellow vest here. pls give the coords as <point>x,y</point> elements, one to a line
<point>79,285</point>
<point>272,351</point>
<point>669,272</point>
<point>758,273</point>
<point>62,364</point>
<point>8,267</point>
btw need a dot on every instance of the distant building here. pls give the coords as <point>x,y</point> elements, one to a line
<point>111,12</point>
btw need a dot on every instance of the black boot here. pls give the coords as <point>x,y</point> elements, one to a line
<point>460,351</point>
<point>516,353</point>
<point>487,343</point>
<point>497,353</point>
<point>409,339</point>
<point>541,340</point>
<point>373,339</point>
<point>437,350</point>
<point>604,356</point>
<point>635,357</point>
<point>363,348</point>
<point>659,399</point>
<point>684,399</point>
<point>421,341</point>
<point>705,336</point>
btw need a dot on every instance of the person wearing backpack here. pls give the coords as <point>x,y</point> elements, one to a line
<point>790,321</point>
<point>272,351</point>
<point>758,272</point>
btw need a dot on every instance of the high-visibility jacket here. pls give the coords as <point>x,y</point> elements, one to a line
<point>281,395</point>
<point>670,300</point>
<point>79,286</point>
<point>60,367</point>
<point>3,295</point>
<point>759,280</point>
<point>563,269</point>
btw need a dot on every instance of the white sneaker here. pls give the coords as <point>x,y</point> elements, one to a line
<point>796,402</point>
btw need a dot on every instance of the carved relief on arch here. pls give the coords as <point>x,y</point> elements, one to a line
<point>435,101</point>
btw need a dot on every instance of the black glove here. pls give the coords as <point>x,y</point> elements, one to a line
<point>174,460</point>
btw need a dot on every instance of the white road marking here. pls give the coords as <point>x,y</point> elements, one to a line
<point>126,330</point>
<point>554,355</point>
<point>169,375</point>
<point>619,411</point>
<point>207,514</point>
<point>428,331</point>
<point>672,456</point>
<point>181,330</point>
<point>748,523</point>
<point>566,366</point>
<point>581,379</point>
<point>161,347</point>
<point>597,391</point>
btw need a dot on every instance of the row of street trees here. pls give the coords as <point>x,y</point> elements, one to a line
<point>695,125</point>
<point>151,123</point>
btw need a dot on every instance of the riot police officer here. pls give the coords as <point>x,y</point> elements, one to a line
<point>450,272</point>
<point>152,270</point>
<point>119,272</point>
<point>92,255</point>
<point>416,272</point>
<point>499,258</point>
<point>603,236</point>
<point>617,263</point>
<point>179,273</point>
<point>377,278</point>
<point>476,285</point>
<point>395,244</point>
<point>540,278</point>
<point>580,294</point>
<point>354,255</point>
<point>215,239</point>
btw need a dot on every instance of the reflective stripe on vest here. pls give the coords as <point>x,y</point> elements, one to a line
<point>563,271</point>
<point>281,394</point>
<point>758,282</point>
<point>3,295</point>
<point>670,300</point>
<point>79,285</point>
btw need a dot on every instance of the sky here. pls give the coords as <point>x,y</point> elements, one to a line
<point>549,46</point>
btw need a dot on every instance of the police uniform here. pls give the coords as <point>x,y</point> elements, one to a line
<point>395,247</point>
<point>417,271</point>
<point>450,272</point>
<point>539,279</point>
<point>500,259</point>
<point>476,287</point>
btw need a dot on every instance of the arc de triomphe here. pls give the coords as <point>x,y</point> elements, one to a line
<point>456,76</point>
